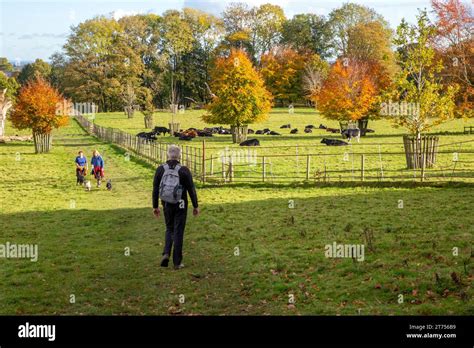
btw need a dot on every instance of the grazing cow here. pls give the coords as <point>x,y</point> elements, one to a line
<point>162,130</point>
<point>266,130</point>
<point>310,126</point>
<point>250,142</point>
<point>333,142</point>
<point>147,136</point>
<point>285,126</point>
<point>308,130</point>
<point>321,126</point>
<point>351,133</point>
<point>250,131</point>
<point>204,133</point>
<point>224,131</point>
<point>259,131</point>
<point>332,130</point>
<point>294,131</point>
<point>273,133</point>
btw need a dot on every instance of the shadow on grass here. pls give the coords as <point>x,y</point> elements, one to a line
<point>82,252</point>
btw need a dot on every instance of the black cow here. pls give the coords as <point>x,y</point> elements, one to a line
<point>294,131</point>
<point>333,142</point>
<point>332,130</point>
<point>204,134</point>
<point>161,130</point>
<point>321,126</point>
<point>273,133</point>
<point>351,133</point>
<point>310,126</point>
<point>285,126</point>
<point>259,131</point>
<point>250,131</point>
<point>250,142</point>
<point>308,130</point>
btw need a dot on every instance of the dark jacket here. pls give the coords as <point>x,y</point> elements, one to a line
<point>185,179</point>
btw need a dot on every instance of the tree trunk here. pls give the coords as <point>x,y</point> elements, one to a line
<point>173,127</point>
<point>239,133</point>
<point>362,124</point>
<point>130,111</point>
<point>420,151</point>
<point>149,122</point>
<point>43,142</point>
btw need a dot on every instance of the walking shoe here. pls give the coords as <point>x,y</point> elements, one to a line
<point>179,266</point>
<point>164,260</point>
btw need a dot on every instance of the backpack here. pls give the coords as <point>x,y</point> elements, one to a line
<point>170,189</point>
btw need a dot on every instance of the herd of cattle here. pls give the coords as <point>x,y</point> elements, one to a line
<point>192,133</point>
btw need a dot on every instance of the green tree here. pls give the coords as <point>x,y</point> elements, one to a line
<point>418,81</point>
<point>308,32</point>
<point>342,19</point>
<point>5,65</point>
<point>10,84</point>
<point>38,68</point>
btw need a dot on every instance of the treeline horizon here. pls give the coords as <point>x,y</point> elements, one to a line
<point>158,61</point>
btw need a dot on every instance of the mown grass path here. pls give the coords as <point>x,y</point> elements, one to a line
<point>245,254</point>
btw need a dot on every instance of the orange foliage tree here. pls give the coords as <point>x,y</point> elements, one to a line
<point>38,108</point>
<point>283,70</point>
<point>348,93</point>
<point>239,94</point>
<point>454,43</point>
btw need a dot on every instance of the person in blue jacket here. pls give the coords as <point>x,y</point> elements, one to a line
<point>81,167</point>
<point>97,166</point>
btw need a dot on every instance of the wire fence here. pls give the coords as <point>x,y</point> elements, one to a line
<point>299,163</point>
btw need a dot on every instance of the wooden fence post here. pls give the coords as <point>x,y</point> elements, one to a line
<point>307,166</point>
<point>231,170</point>
<point>203,159</point>
<point>362,164</point>
<point>211,170</point>
<point>263,168</point>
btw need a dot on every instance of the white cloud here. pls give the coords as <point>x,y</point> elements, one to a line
<point>117,14</point>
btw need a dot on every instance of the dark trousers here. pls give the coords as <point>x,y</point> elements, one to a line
<point>175,219</point>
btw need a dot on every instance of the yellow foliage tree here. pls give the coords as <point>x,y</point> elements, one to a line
<point>239,94</point>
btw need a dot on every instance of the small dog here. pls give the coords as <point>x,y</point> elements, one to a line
<point>88,185</point>
<point>109,185</point>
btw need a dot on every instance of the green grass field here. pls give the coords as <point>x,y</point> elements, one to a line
<point>247,253</point>
<point>286,154</point>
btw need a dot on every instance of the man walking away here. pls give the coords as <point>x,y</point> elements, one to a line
<point>172,184</point>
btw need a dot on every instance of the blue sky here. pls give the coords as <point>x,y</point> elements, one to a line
<point>32,29</point>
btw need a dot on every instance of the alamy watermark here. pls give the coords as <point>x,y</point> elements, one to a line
<point>397,109</point>
<point>238,156</point>
<point>75,109</point>
<point>19,251</point>
<point>352,251</point>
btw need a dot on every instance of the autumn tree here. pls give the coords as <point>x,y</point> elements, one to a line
<point>454,43</point>
<point>418,81</point>
<point>347,94</point>
<point>283,69</point>
<point>36,108</point>
<point>239,94</point>
<point>342,19</point>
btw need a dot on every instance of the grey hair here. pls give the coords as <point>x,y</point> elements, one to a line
<point>174,152</point>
